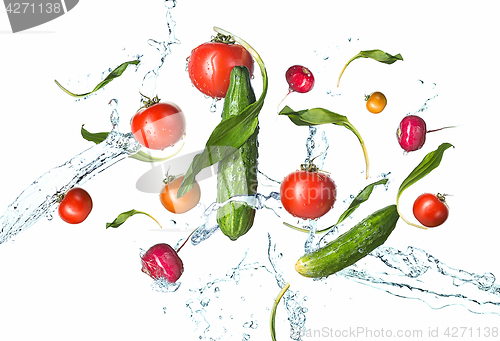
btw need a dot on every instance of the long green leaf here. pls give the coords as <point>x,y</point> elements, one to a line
<point>273,310</point>
<point>317,116</point>
<point>363,196</point>
<point>140,155</point>
<point>431,161</point>
<point>122,217</point>
<point>378,55</point>
<point>231,133</point>
<point>114,74</point>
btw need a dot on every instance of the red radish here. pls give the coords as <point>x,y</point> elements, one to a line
<point>412,131</point>
<point>300,79</point>
<point>161,261</point>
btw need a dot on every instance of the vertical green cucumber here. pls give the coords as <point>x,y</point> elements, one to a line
<point>351,246</point>
<point>237,174</point>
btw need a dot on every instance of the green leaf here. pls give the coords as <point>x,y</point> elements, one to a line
<point>378,55</point>
<point>140,155</point>
<point>273,311</point>
<point>114,74</point>
<point>431,161</point>
<point>317,116</point>
<point>231,133</point>
<point>93,137</point>
<point>122,217</point>
<point>363,196</point>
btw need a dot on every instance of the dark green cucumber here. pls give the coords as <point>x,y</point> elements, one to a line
<point>351,246</point>
<point>237,174</point>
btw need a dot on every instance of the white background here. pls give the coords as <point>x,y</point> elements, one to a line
<point>63,282</point>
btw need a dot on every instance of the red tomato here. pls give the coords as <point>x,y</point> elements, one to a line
<point>168,196</point>
<point>210,66</point>
<point>75,206</point>
<point>430,210</point>
<point>308,194</point>
<point>159,126</point>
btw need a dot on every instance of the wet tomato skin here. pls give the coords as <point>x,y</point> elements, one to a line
<point>159,126</point>
<point>210,65</point>
<point>430,210</point>
<point>376,102</point>
<point>75,206</point>
<point>308,195</point>
<point>169,200</point>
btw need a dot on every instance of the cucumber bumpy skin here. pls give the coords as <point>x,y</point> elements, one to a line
<point>237,174</point>
<point>351,246</point>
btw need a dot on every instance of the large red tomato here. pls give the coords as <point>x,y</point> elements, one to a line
<point>308,194</point>
<point>159,126</point>
<point>210,66</point>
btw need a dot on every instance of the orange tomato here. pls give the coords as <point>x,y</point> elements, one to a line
<point>168,196</point>
<point>376,102</point>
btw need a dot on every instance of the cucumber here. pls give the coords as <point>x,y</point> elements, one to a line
<point>351,246</point>
<point>237,173</point>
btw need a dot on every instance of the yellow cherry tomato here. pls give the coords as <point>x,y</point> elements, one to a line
<point>376,102</point>
<point>168,196</point>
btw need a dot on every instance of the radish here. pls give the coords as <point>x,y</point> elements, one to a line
<point>161,261</point>
<point>412,131</point>
<point>300,79</point>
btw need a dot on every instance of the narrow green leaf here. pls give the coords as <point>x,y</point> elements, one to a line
<point>273,311</point>
<point>317,116</point>
<point>114,74</point>
<point>378,55</point>
<point>93,137</point>
<point>431,161</point>
<point>363,196</point>
<point>122,217</point>
<point>231,133</point>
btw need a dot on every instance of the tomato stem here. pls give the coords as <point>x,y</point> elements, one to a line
<point>150,101</point>
<point>222,38</point>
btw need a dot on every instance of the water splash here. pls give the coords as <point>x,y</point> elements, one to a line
<point>40,199</point>
<point>148,87</point>
<point>293,304</point>
<point>210,297</point>
<point>415,274</point>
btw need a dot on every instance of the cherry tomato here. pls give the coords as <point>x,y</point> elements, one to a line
<point>210,66</point>
<point>168,196</point>
<point>430,210</point>
<point>376,102</point>
<point>159,126</point>
<point>75,206</point>
<point>308,194</point>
